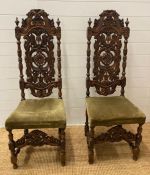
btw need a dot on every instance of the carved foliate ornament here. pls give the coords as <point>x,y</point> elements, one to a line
<point>108,32</point>
<point>38,32</point>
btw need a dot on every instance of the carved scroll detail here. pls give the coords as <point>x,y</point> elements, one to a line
<point>116,134</point>
<point>38,32</point>
<point>108,32</point>
<point>36,138</point>
<point>40,60</point>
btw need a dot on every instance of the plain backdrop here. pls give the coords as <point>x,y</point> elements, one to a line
<point>74,16</point>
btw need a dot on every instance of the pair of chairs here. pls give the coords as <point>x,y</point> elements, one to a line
<point>38,32</point>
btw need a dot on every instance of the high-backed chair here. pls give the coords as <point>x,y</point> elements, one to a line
<point>109,64</point>
<point>38,32</point>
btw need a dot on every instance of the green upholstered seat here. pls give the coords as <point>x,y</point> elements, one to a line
<point>115,110</point>
<point>33,113</point>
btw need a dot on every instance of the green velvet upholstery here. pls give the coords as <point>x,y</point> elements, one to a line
<point>33,113</point>
<point>107,111</point>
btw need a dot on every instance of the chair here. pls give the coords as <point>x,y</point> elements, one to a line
<point>109,60</point>
<point>38,33</point>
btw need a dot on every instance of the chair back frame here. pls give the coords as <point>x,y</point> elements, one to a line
<point>108,32</point>
<point>38,32</point>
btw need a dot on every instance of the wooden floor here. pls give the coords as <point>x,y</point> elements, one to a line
<point>110,158</point>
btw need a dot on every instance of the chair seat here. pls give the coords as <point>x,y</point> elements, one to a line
<point>33,113</point>
<point>107,111</point>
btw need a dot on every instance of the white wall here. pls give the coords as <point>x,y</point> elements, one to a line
<point>74,16</point>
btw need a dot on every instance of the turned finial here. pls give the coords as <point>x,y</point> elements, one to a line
<point>58,22</point>
<point>17,22</point>
<point>127,22</point>
<point>89,22</point>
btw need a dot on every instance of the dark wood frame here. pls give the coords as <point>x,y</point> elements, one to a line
<point>106,83</point>
<point>38,31</point>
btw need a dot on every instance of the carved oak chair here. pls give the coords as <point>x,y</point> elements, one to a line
<point>38,33</point>
<point>110,56</point>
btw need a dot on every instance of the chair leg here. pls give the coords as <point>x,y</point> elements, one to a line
<point>62,146</point>
<point>12,149</point>
<point>59,133</point>
<point>91,145</point>
<point>138,139</point>
<point>26,131</point>
<point>86,127</point>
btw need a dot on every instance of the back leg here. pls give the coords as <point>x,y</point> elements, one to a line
<point>91,145</point>
<point>62,146</point>
<point>86,127</point>
<point>138,139</point>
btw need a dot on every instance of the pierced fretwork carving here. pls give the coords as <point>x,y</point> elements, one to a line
<point>116,134</point>
<point>36,138</point>
<point>108,32</point>
<point>40,60</point>
<point>38,32</point>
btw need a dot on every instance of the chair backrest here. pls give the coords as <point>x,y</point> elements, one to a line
<point>38,32</point>
<point>109,52</point>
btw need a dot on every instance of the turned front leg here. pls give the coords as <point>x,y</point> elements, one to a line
<point>62,146</point>
<point>12,149</point>
<point>138,139</point>
<point>26,131</point>
<point>86,127</point>
<point>91,145</point>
